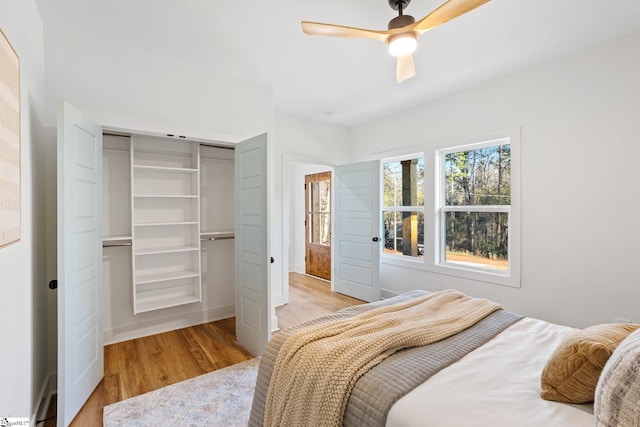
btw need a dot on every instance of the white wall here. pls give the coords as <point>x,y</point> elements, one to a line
<point>579,120</point>
<point>296,141</point>
<point>135,90</point>
<point>23,366</point>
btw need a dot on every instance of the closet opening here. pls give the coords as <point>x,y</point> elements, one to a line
<point>168,234</point>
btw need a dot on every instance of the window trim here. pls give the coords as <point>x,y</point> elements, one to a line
<point>433,224</point>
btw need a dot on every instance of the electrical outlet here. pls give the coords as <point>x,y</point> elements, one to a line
<point>438,284</point>
<point>621,320</point>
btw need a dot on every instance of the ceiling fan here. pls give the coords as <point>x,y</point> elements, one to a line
<point>402,33</point>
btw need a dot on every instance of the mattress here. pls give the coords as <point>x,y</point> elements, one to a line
<point>497,384</point>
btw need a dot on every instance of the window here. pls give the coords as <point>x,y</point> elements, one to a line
<point>403,207</point>
<point>474,208</point>
<point>318,208</point>
<point>461,216</point>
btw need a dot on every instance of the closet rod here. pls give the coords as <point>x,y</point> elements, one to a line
<point>213,145</point>
<point>217,238</point>
<point>109,245</point>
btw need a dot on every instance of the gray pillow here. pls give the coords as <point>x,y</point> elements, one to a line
<point>617,399</point>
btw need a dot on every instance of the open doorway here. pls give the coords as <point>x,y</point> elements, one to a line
<point>318,225</point>
<point>295,213</point>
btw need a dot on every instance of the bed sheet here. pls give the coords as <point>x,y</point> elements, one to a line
<point>496,385</point>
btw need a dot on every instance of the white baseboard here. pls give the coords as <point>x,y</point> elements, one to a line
<point>302,269</point>
<point>143,329</point>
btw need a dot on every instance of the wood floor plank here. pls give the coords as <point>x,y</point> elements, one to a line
<point>310,297</point>
<point>138,366</point>
<point>197,351</point>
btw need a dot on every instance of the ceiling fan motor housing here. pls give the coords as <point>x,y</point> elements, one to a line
<point>401,21</point>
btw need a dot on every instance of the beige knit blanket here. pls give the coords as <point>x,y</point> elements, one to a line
<point>317,367</point>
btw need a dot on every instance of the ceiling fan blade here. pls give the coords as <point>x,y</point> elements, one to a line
<point>319,29</point>
<point>405,68</point>
<point>446,12</point>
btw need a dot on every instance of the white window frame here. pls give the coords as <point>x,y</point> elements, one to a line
<point>433,258</point>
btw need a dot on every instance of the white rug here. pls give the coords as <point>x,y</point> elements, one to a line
<point>219,398</point>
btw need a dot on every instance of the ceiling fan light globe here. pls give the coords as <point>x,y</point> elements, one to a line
<point>402,44</point>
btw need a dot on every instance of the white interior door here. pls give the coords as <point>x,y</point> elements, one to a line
<point>253,297</point>
<point>80,346</point>
<point>357,230</point>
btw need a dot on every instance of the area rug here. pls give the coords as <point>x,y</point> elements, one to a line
<point>219,398</point>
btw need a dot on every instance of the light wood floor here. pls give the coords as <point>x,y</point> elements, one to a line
<point>138,366</point>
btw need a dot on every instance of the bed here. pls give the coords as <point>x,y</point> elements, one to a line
<point>486,374</point>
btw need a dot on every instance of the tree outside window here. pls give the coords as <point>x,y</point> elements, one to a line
<point>476,206</point>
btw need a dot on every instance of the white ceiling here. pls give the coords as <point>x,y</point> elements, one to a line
<point>342,81</point>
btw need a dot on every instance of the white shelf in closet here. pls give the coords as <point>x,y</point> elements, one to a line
<point>163,224</point>
<point>165,196</point>
<point>142,279</point>
<point>165,301</point>
<point>165,250</point>
<point>164,169</point>
<point>165,192</point>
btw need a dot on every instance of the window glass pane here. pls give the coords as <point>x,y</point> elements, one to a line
<point>320,196</point>
<point>404,233</point>
<point>404,182</point>
<point>478,177</point>
<point>478,239</point>
<point>320,229</point>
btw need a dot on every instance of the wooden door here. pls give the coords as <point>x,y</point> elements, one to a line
<point>80,331</point>
<point>357,230</point>
<point>253,296</point>
<point>318,224</point>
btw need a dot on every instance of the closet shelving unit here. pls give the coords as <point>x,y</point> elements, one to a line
<point>165,200</point>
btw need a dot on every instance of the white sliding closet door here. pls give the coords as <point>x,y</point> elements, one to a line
<point>357,230</point>
<point>253,298</point>
<point>80,346</point>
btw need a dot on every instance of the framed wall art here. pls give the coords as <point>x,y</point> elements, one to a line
<point>9,143</point>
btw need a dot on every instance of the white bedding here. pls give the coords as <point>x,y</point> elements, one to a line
<point>496,385</point>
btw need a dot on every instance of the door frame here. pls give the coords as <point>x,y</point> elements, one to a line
<point>288,161</point>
